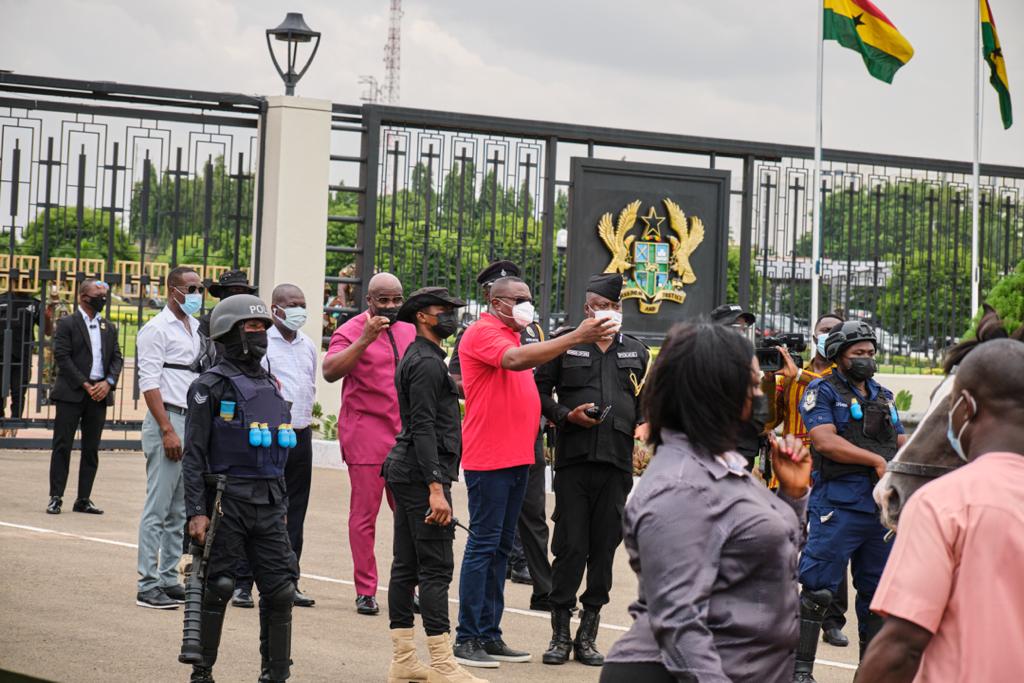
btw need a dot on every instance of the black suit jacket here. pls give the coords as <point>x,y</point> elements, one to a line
<point>72,352</point>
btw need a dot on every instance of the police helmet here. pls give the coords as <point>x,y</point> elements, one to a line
<point>846,335</point>
<point>234,310</point>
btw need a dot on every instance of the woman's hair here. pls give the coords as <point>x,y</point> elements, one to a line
<point>699,385</point>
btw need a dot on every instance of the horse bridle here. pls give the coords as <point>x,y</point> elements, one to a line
<point>916,469</point>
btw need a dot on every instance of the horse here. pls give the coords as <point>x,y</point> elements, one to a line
<point>928,454</point>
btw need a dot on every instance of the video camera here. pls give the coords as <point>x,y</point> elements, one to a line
<point>768,355</point>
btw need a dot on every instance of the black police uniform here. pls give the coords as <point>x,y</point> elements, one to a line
<point>532,526</point>
<point>254,503</point>
<point>593,466</point>
<point>427,450</point>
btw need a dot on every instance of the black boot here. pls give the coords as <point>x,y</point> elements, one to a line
<point>561,642</point>
<point>583,648</point>
<point>813,605</point>
<point>201,674</point>
<point>276,635</point>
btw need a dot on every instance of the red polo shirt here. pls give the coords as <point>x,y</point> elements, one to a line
<point>502,406</point>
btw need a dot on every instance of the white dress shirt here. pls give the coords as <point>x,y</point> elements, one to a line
<point>96,342</point>
<point>294,365</point>
<point>164,340</point>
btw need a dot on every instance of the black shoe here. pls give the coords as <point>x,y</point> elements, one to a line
<point>175,592</point>
<point>497,649</point>
<point>201,674</point>
<point>85,505</point>
<point>834,636</point>
<point>155,598</point>
<point>560,645</point>
<point>521,575</point>
<point>803,677</point>
<point>584,649</point>
<point>302,600</point>
<point>540,604</point>
<point>472,653</point>
<point>54,507</point>
<point>367,604</point>
<point>242,597</point>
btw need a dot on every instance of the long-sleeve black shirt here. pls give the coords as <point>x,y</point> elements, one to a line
<point>204,397</point>
<point>429,447</point>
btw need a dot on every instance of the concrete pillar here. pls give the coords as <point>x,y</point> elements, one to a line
<point>296,173</point>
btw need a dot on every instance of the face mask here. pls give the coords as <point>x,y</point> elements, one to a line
<point>193,302</point>
<point>861,369</point>
<point>954,439</point>
<point>96,303</point>
<point>247,347</point>
<point>390,313</point>
<point>760,412</point>
<point>614,316</point>
<point>820,347</point>
<point>523,313</point>
<point>294,317</point>
<point>447,324</point>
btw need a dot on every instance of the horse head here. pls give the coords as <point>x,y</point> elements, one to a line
<point>928,454</point>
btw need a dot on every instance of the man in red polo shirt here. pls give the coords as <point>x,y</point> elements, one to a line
<point>498,433</point>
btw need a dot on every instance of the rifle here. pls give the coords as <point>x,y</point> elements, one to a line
<point>191,647</point>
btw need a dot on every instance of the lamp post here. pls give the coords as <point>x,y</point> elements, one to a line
<point>292,31</point>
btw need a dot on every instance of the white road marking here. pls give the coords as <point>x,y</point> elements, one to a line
<point>344,582</point>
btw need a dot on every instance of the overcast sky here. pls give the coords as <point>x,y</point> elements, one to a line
<point>725,68</point>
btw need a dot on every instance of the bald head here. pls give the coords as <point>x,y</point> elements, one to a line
<point>383,282</point>
<point>384,295</point>
<point>284,294</point>
<point>994,374</point>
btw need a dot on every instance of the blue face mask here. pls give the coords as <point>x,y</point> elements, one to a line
<point>954,438</point>
<point>820,347</point>
<point>193,302</point>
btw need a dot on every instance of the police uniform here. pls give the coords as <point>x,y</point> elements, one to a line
<point>593,465</point>
<point>532,528</point>
<point>254,503</point>
<point>844,520</point>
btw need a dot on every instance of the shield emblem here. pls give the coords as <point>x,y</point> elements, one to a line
<point>651,259</point>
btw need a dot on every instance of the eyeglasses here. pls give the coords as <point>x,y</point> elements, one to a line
<point>517,300</point>
<point>191,289</point>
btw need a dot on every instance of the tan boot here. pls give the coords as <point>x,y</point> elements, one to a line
<point>443,667</point>
<point>405,666</point>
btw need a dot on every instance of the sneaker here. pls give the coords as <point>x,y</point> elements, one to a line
<point>367,604</point>
<point>175,592</point>
<point>498,650</point>
<point>242,597</point>
<point>155,598</point>
<point>472,653</point>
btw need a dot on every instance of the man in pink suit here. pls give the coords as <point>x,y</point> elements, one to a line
<point>365,351</point>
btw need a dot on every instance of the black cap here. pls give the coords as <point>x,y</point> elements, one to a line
<point>496,271</point>
<point>427,296</point>
<point>231,278</point>
<point>608,285</point>
<point>730,313</point>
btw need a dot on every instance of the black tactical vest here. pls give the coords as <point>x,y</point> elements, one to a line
<point>256,400</point>
<point>874,432</point>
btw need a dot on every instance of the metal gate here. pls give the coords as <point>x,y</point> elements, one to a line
<point>121,184</point>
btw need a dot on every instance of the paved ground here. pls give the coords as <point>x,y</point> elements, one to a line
<point>68,593</point>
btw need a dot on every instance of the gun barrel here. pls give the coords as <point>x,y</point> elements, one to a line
<point>191,648</point>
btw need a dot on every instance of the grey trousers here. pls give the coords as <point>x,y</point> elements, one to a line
<point>161,529</point>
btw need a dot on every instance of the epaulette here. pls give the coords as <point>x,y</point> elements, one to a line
<point>637,340</point>
<point>562,330</point>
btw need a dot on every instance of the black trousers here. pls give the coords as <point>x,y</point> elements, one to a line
<point>589,499</point>
<point>90,415</point>
<point>638,672</point>
<point>533,525</point>
<point>256,532</point>
<point>20,372</point>
<point>835,616</point>
<point>423,557</point>
<point>298,478</point>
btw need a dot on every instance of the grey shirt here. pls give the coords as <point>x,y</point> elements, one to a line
<point>715,553</point>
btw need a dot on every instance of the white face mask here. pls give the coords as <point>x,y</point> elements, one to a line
<point>614,316</point>
<point>523,313</point>
<point>294,317</point>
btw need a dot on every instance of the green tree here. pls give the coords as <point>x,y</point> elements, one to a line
<point>64,236</point>
<point>1007,297</point>
<point>732,288</point>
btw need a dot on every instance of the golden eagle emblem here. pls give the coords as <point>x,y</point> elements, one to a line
<point>615,237</point>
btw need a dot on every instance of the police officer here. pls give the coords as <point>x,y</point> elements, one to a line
<point>231,283</point>
<point>529,560</point>
<point>226,405</point>
<point>855,431</point>
<point>596,413</point>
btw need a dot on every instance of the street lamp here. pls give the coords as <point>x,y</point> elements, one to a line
<point>293,30</point>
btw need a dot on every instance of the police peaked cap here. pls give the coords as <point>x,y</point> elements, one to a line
<point>730,313</point>
<point>230,278</point>
<point>236,309</point>
<point>608,285</point>
<point>496,271</point>
<point>427,296</point>
<point>846,335</point>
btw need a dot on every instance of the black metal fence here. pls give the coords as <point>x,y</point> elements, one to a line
<point>118,183</point>
<point>432,196</point>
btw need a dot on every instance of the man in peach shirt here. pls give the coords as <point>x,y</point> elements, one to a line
<point>952,592</point>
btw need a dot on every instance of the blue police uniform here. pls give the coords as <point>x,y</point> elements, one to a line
<point>844,520</point>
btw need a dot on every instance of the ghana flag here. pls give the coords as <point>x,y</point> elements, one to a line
<point>860,26</point>
<point>993,52</point>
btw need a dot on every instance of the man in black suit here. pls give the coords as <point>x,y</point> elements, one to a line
<point>88,360</point>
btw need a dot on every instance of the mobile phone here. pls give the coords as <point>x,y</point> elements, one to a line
<point>598,413</point>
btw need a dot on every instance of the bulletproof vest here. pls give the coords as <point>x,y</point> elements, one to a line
<point>874,432</point>
<point>256,400</point>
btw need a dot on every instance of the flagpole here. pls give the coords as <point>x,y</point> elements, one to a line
<point>816,186</point>
<point>976,171</point>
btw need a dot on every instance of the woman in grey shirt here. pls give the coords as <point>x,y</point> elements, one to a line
<point>715,551</point>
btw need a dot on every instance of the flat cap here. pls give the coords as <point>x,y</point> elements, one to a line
<point>427,296</point>
<point>608,285</point>
<point>728,314</point>
<point>496,271</point>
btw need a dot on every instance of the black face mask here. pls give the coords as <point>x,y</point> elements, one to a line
<point>96,303</point>
<point>246,348</point>
<point>447,325</point>
<point>760,412</point>
<point>861,369</point>
<point>390,313</point>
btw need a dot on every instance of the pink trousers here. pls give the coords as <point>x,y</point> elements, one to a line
<point>367,487</point>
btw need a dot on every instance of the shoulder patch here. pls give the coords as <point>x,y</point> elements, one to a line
<point>578,352</point>
<point>199,398</point>
<point>810,399</point>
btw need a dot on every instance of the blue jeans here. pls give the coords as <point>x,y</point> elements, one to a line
<point>495,500</point>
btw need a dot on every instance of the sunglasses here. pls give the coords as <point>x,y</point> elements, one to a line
<point>191,289</point>
<point>517,300</point>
